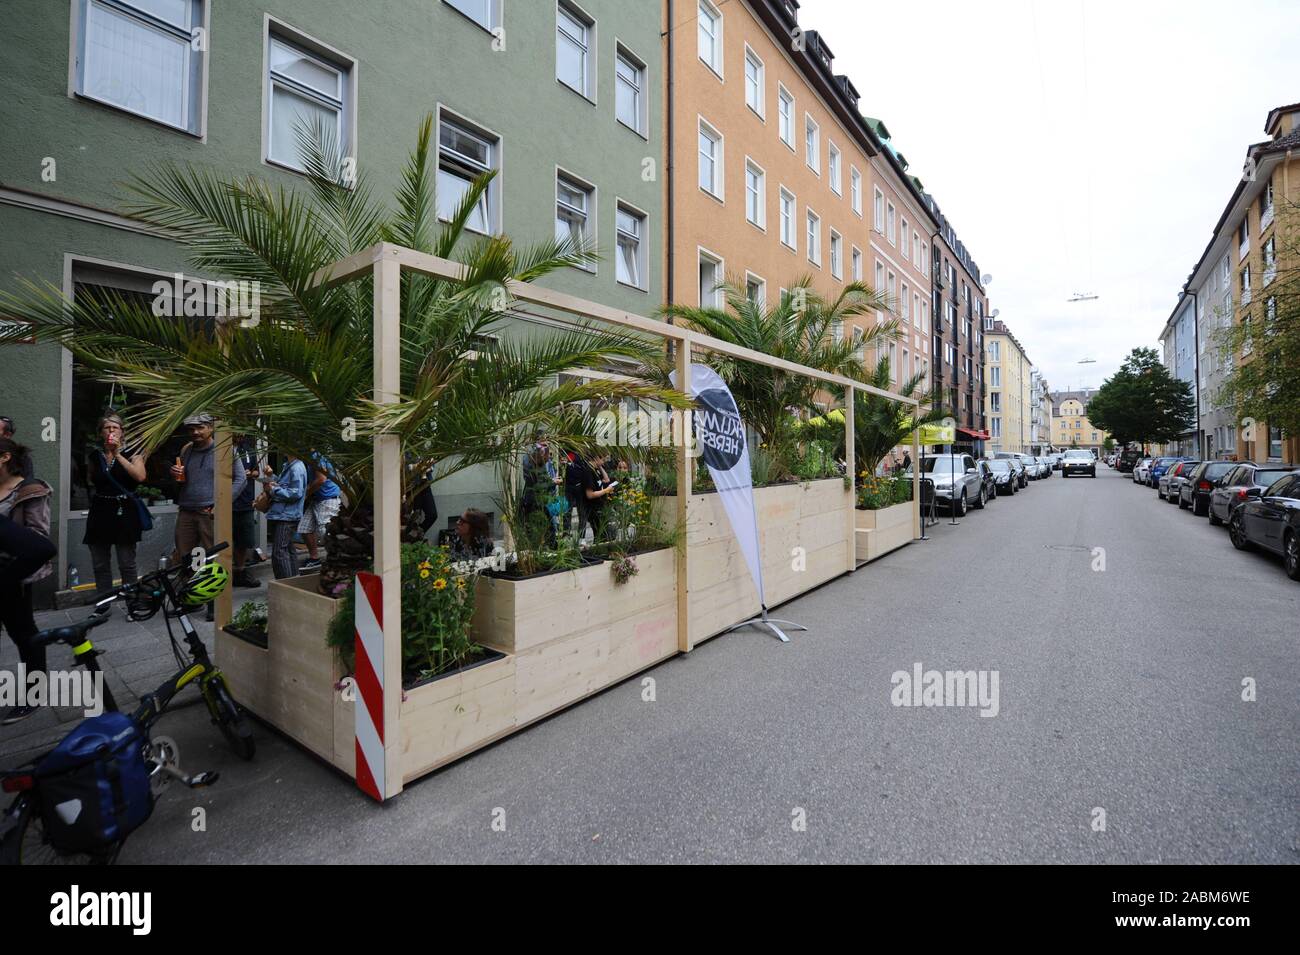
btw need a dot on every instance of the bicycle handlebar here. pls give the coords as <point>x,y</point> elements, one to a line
<point>74,633</point>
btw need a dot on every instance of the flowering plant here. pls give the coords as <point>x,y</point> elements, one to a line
<point>623,568</point>
<point>437,604</point>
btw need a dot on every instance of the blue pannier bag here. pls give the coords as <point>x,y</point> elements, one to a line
<point>94,786</point>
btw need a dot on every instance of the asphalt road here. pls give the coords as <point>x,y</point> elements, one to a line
<point>1119,689</point>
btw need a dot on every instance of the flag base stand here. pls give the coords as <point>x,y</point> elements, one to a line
<point>770,623</point>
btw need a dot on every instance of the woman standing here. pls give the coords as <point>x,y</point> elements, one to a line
<point>287,493</point>
<point>114,517</point>
<point>26,502</point>
<point>473,538</point>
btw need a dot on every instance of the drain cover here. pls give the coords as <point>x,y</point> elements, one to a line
<point>1066,547</point>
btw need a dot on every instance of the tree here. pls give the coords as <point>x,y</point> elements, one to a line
<point>799,328</point>
<point>1143,402</point>
<point>300,377</point>
<point>1263,351</point>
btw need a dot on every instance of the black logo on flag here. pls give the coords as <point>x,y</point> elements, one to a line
<point>718,429</point>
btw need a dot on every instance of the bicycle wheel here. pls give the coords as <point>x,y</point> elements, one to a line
<point>26,843</point>
<point>229,717</point>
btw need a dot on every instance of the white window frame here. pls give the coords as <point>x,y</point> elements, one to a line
<point>761,222</point>
<point>495,204</point>
<point>837,254</point>
<point>813,235</point>
<point>904,234</point>
<point>623,52</point>
<point>916,251</point>
<point>720,269</point>
<point>716,46</point>
<point>591,215</point>
<point>588,22</point>
<point>195,73</point>
<point>346,66</point>
<point>785,98</point>
<point>752,58</point>
<point>494,14</point>
<point>855,190</point>
<point>643,244</point>
<point>904,303</point>
<point>878,211</point>
<point>855,256</point>
<point>793,244</point>
<point>812,155</point>
<point>834,167</point>
<point>891,223</point>
<point>716,134</point>
<point>762,286</point>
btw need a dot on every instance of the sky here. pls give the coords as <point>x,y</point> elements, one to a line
<point>1074,148</point>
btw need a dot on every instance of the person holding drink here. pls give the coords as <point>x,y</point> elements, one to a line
<point>117,517</point>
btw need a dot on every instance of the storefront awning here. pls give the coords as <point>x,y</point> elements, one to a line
<point>970,435</point>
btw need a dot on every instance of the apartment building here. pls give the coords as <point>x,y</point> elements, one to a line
<point>1007,403</point>
<point>776,174</point>
<point>1179,347</point>
<point>561,99</point>
<point>1232,285</point>
<point>1040,413</point>
<point>1070,425</point>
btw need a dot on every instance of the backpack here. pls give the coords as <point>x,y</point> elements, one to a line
<point>94,785</point>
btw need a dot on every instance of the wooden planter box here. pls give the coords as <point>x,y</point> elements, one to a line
<point>813,516</point>
<point>883,530</point>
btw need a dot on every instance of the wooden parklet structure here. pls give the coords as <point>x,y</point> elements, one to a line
<point>563,636</point>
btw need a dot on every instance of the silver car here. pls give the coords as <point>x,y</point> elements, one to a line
<point>1142,471</point>
<point>957,481</point>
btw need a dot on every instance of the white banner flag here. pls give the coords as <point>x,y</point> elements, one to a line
<point>720,437</point>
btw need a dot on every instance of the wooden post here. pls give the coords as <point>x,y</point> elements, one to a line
<point>222,522</point>
<point>851,466</point>
<point>683,361</point>
<point>388,501</point>
<point>916,474</point>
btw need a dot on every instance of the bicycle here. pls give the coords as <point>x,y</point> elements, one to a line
<point>23,839</point>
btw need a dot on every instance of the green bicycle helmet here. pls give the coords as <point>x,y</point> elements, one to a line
<point>208,582</point>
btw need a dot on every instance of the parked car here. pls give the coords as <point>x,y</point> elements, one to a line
<point>1044,466</point>
<point>1026,473</point>
<point>988,478</point>
<point>1271,522</point>
<point>1004,475</point>
<point>1142,470</point>
<point>1194,493</point>
<point>1127,459</point>
<point>1160,466</point>
<point>1078,461</point>
<point>1243,482</point>
<point>1055,458</point>
<point>957,481</point>
<point>1173,479</point>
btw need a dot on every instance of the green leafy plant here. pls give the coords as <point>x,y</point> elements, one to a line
<point>251,616</point>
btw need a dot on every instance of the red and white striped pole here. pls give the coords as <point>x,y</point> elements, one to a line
<point>369,707</point>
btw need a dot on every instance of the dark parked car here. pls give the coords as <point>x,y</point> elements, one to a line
<point>1243,482</point>
<point>1172,480</point>
<point>987,476</point>
<point>1159,466</point>
<point>1271,522</point>
<point>1004,476</point>
<point>1078,461</point>
<point>1195,491</point>
<point>1127,458</point>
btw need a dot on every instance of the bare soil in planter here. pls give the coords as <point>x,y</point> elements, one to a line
<point>257,638</point>
<point>484,655</point>
<point>510,575</point>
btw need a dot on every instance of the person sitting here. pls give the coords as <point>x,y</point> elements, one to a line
<point>473,538</point>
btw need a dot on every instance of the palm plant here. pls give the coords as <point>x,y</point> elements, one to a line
<point>799,328</point>
<point>881,424</point>
<point>299,377</point>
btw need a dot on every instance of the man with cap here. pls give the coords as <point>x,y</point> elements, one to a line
<point>193,472</point>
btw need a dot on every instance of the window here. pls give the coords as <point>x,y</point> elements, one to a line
<point>925,257</point>
<point>1270,260</point>
<point>916,250</point>
<point>810,145</point>
<point>711,36</point>
<point>856,256</point>
<point>710,160</point>
<point>140,57</point>
<point>630,264</point>
<point>787,219</point>
<point>753,81</point>
<point>575,213</point>
<point>880,277</point>
<point>890,232</point>
<point>1245,285</point>
<point>1275,444</point>
<point>995,351</point>
<point>916,309</point>
<point>755,194</point>
<point>903,237</point>
<point>630,100</point>
<point>925,316</point>
<point>710,280</point>
<point>785,111</point>
<point>996,427</point>
<point>949,354</point>
<point>1266,206</point>
<point>464,154</point>
<point>891,288</point>
<point>1243,237</point>
<point>755,288</point>
<point>995,377</point>
<point>1247,336</point>
<point>486,13</point>
<point>833,166</point>
<point>814,238</point>
<point>303,91</point>
<point>837,254</point>
<point>904,303</point>
<point>855,190</point>
<point>573,43</point>
<point>879,212</point>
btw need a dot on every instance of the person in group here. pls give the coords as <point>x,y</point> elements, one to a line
<point>592,486</point>
<point>907,460</point>
<point>114,518</point>
<point>7,430</point>
<point>473,538</point>
<point>195,496</point>
<point>243,514</point>
<point>322,505</point>
<point>540,485</point>
<point>288,495</point>
<point>25,501</point>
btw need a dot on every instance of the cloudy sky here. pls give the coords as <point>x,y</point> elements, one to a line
<point>1074,150</point>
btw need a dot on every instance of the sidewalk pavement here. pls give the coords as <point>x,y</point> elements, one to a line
<point>134,657</point>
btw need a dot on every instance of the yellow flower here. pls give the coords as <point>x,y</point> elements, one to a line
<point>460,583</point>
<point>439,584</point>
<point>423,574</point>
